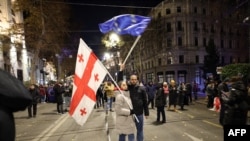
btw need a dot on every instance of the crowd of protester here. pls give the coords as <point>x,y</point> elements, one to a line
<point>131,100</point>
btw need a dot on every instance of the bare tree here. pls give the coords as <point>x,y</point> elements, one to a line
<point>46,26</point>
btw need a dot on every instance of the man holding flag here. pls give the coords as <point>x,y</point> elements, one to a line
<point>90,72</point>
<point>134,25</point>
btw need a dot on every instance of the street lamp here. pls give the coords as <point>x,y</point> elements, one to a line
<point>112,42</point>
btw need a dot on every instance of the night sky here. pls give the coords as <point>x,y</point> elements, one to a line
<point>87,14</point>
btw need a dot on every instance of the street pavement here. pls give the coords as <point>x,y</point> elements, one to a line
<point>195,123</point>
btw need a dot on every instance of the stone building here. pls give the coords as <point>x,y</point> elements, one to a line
<point>173,47</point>
<point>14,56</point>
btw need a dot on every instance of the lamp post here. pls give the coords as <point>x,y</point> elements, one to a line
<point>113,44</point>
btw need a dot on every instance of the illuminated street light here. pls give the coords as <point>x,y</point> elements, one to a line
<point>113,43</point>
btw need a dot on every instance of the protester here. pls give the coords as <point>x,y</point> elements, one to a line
<point>195,91</point>
<point>189,98</point>
<point>34,93</point>
<point>138,96</point>
<point>125,124</point>
<point>166,92</point>
<point>59,90</point>
<point>67,95</point>
<point>109,90</point>
<point>14,96</point>
<point>236,106</point>
<point>160,102</point>
<point>210,93</point>
<point>99,97</point>
<point>222,88</point>
<point>173,95</point>
<point>151,91</point>
<point>181,95</point>
<point>42,92</point>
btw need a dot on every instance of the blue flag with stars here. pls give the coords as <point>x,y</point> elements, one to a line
<point>131,24</point>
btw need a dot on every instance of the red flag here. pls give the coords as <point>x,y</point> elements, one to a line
<point>89,74</point>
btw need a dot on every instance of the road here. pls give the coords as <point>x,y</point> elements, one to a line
<point>195,123</point>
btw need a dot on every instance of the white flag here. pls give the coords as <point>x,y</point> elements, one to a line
<point>89,74</point>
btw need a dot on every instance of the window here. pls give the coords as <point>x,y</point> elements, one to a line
<point>179,26</point>
<point>195,9</point>
<point>169,60</point>
<point>160,77</point>
<point>195,26</point>
<point>168,11</point>
<point>222,60</point>
<point>181,59</point>
<point>204,11</point>
<point>212,29</point>
<point>169,27</point>
<point>204,27</point>
<point>222,30</point>
<point>159,62</point>
<point>179,41</point>
<point>182,76</point>
<point>196,41</point>
<point>197,59</point>
<point>178,9</point>
<point>169,75</point>
<point>150,77</point>
<point>204,42</point>
<point>238,32</point>
<point>238,45</point>
<point>230,31</point>
<point>231,59</point>
<point>222,44</point>
<point>20,74</point>
<point>230,44</point>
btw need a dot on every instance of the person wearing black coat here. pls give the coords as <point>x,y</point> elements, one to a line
<point>236,107</point>
<point>139,100</point>
<point>181,95</point>
<point>34,93</point>
<point>222,88</point>
<point>59,90</point>
<point>14,97</point>
<point>160,102</point>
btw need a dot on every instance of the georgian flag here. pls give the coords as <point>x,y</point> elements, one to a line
<point>89,74</point>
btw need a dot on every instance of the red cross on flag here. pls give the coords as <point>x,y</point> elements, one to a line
<point>89,74</point>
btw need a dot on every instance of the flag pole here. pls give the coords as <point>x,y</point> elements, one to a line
<point>130,106</point>
<point>131,49</point>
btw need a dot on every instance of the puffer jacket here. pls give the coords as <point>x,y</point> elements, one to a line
<point>124,121</point>
<point>160,98</point>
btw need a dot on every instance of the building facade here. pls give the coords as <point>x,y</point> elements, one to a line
<point>173,47</point>
<point>14,56</point>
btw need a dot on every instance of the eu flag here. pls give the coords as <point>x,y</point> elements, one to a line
<point>126,24</point>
